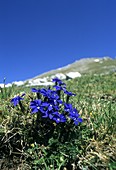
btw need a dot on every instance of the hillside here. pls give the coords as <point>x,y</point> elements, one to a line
<point>85,66</point>
<point>90,145</point>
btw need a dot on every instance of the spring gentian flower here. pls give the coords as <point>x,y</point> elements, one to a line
<point>69,93</point>
<point>17,99</point>
<point>55,99</point>
<point>46,93</point>
<point>75,116</point>
<point>50,106</point>
<point>59,88</point>
<point>57,117</point>
<point>58,81</point>
<point>51,96</point>
<point>45,114</point>
<point>36,106</point>
<point>68,107</point>
<point>35,90</point>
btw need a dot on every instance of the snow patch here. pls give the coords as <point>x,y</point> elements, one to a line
<point>39,82</point>
<point>73,75</point>
<point>6,85</point>
<point>18,83</point>
<point>59,75</point>
<point>97,60</point>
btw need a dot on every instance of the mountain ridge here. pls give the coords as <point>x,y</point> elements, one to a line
<point>82,64</point>
<point>95,65</point>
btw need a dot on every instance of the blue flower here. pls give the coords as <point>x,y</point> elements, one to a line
<point>51,96</point>
<point>69,93</point>
<point>55,99</point>
<point>68,107</point>
<point>35,90</point>
<point>57,117</point>
<point>59,88</point>
<point>58,81</point>
<point>45,114</point>
<point>17,99</point>
<point>36,106</point>
<point>46,93</point>
<point>48,106</point>
<point>43,91</point>
<point>75,116</point>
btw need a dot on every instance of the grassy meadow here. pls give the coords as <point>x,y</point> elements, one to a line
<point>29,143</point>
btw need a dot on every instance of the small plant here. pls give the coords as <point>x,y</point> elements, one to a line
<point>33,137</point>
<point>53,122</point>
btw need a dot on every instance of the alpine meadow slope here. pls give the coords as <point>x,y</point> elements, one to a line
<point>85,66</point>
<point>68,125</point>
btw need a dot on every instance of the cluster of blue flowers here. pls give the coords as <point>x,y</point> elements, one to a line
<point>51,106</point>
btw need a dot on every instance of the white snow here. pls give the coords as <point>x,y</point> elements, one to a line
<point>39,81</point>
<point>18,83</point>
<point>73,74</point>
<point>45,81</point>
<point>59,75</point>
<point>6,85</point>
<point>97,60</point>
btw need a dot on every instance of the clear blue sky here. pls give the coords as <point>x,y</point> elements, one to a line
<point>39,35</point>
